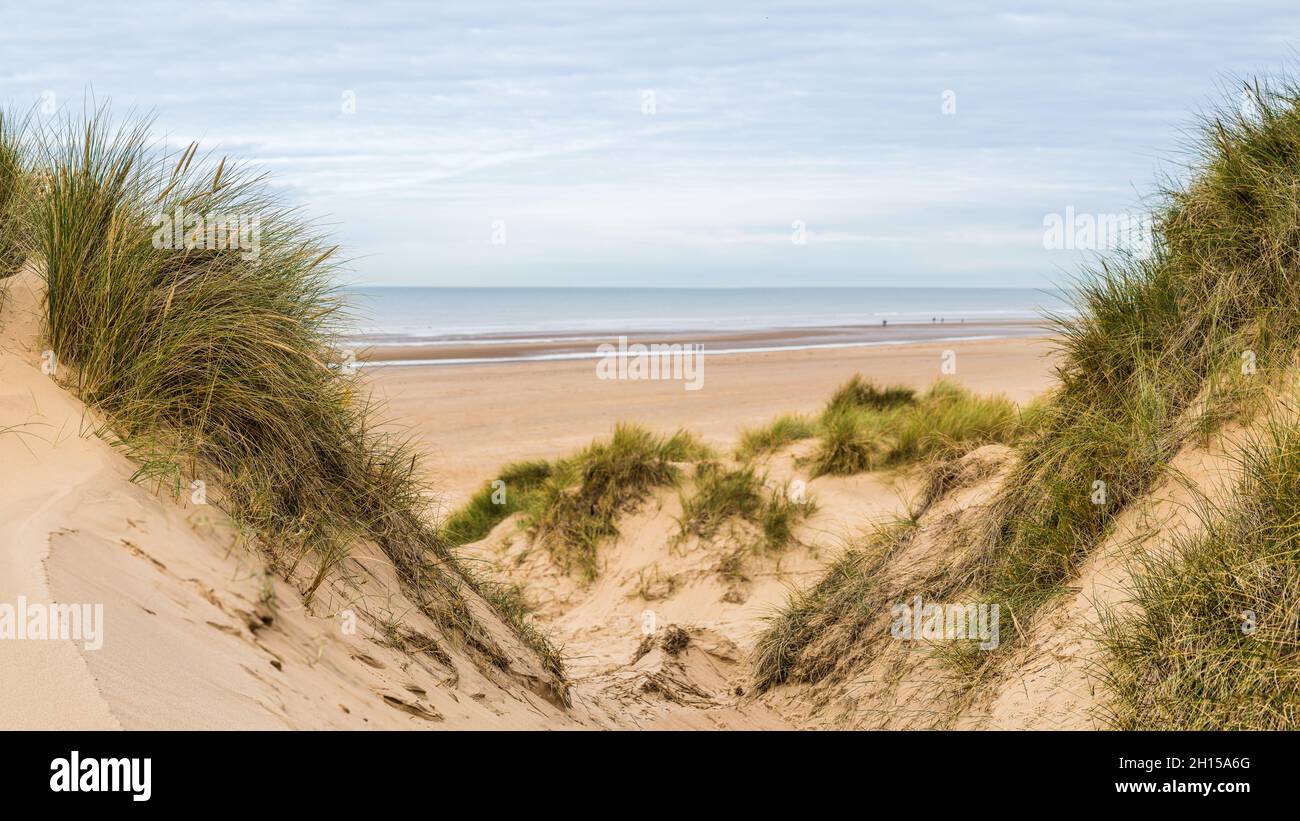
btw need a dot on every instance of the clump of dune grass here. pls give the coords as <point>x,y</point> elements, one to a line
<point>860,392</point>
<point>772,437</point>
<point>944,420</point>
<point>577,507</point>
<point>720,495</point>
<point>218,363</point>
<point>851,442</point>
<point>723,495</point>
<point>499,499</point>
<point>949,419</point>
<point>780,514</point>
<point>15,188</point>
<point>1213,642</point>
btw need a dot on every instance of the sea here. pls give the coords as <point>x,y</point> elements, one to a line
<point>520,324</point>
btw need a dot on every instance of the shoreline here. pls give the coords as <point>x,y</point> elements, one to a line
<point>559,347</point>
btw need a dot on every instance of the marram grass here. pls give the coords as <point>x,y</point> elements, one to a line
<point>775,435</point>
<point>867,428</point>
<point>571,506</point>
<point>1213,642</point>
<point>722,495</point>
<point>16,187</point>
<point>576,508</point>
<point>1152,361</point>
<point>217,364</point>
<point>1155,355</point>
<point>496,501</point>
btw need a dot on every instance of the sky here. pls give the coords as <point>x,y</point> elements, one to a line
<point>672,144</point>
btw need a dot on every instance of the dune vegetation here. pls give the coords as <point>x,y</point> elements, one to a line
<point>877,429</point>
<point>860,393</point>
<point>572,506</point>
<point>865,427</point>
<point>578,506</point>
<point>834,613</point>
<point>721,496</point>
<point>1167,347</point>
<point>217,364</point>
<point>510,493</point>
<point>210,354</point>
<point>15,184</point>
<point>1213,644</point>
<point>782,431</point>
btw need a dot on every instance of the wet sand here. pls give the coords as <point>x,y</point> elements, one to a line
<point>528,347</point>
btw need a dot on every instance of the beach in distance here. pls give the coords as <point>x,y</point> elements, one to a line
<point>474,418</point>
<point>486,376</point>
<point>458,326</point>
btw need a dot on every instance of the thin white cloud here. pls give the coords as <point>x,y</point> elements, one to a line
<point>668,134</point>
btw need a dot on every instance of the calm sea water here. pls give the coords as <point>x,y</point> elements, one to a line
<point>392,316</point>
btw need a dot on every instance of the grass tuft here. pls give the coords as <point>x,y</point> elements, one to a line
<point>851,442</point>
<point>780,432</point>
<point>741,494</point>
<point>577,507</point>
<point>861,393</point>
<point>720,495</point>
<point>494,502</point>
<point>947,419</point>
<point>819,628</point>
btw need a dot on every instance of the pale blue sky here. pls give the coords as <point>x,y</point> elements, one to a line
<point>764,114</point>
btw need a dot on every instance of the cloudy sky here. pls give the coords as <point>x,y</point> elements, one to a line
<point>672,144</point>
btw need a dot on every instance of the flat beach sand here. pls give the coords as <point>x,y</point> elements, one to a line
<point>472,419</point>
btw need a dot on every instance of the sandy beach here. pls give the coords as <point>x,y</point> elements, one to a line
<point>471,419</point>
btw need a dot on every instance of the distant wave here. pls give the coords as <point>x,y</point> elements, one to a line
<point>579,355</point>
<point>379,336</point>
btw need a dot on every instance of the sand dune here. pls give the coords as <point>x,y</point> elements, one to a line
<point>197,635</point>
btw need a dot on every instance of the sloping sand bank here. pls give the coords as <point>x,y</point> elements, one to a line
<point>194,633</point>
